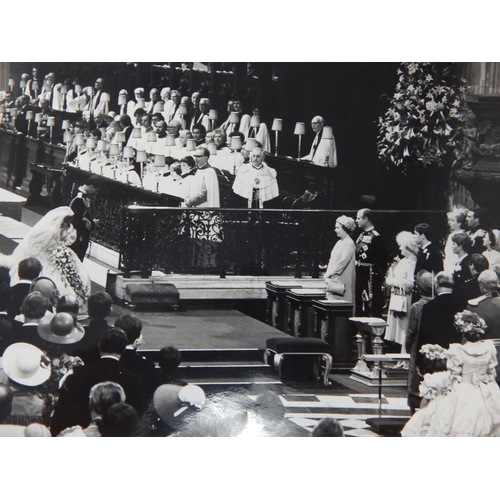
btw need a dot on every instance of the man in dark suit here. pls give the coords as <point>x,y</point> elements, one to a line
<point>27,270</point>
<point>34,307</point>
<point>476,232</point>
<point>437,322</point>
<point>130,359</point>
<point>6,323</point>
<point>73,405</point>
<point>487,305</point>
<point>461,245</point>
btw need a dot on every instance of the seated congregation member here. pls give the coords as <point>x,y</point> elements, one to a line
<point>437,321</point>
<point>73,405</point>
<point>204,187</point>
<point>33,309</point>
<point>131,359</point>
<point>257,130</point>
<point>28,269</point>
<point>120,420</point>
<point>256,182</point>
<point>60,334</point>
<point>169,359</point>
<point>328,427</point>
<point>99,308</point>
<point>25,369</point>
<point>137,103</point>
<point>400,278</point>
<point>47,288</point>
<point>487,305</point>
<point>68,303</point>
<point>201,117</point>
<point>6,323</point>
<point>199,134</point>
<point>476,232</point>
<point>101,397</point>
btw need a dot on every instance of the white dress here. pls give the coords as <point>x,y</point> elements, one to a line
<point>471,406</point>
<point>341,266</point>
<point>48,240</point>
<point>450,258</point>
<point>401,278</point>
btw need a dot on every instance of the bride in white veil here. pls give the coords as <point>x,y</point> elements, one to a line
<point>48,240</point>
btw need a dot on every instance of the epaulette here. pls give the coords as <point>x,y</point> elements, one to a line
<point>375,233</point>
<point>475,302</point>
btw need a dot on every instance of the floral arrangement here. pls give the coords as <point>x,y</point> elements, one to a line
<point>470,324</point>
<point>64,260</point>
<point>433,352</point>
<point>427,120</point>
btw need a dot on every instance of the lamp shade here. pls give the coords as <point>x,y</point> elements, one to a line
<point>64,90</point>
<point>14,112</point>
<point>233,117</point>
<point>65,124</point>
<point>152,136</point>
<point>22,84</point>
<point>78,89</point>
<point>235,143</point>
<point>2,108</point>
<point>159,161</point>
<point>141,156</point>
<point>51,121</point>
<point>30,115</point>
<point>327,133</point>
<point>277,125</point>
<point>114,150</point>
<point>11,82</point>
<point>120,137</point>
<point>213,114</point>
<point>35,85</point>
<point>79,140</point>
<point>90,143</point>
<point>105,97</point>
<point>141,102</point>
<point>300,128</point>
<point>38,117</point>
<point>122,100</point>
<point>250,144</point>
<point>212,149</point>
<point>190,145</point>
<point>136,133</point>
<point>101,146</point>
<point>67,137</point>
<point>159,107</point>
<point>182,109</point>
<point>255,121</point>
<point>170,140</point>
<point>128,152</point>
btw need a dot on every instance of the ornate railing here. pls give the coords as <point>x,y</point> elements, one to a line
<point>243,242</point>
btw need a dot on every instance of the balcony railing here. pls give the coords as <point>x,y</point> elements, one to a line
<point>243,242</point>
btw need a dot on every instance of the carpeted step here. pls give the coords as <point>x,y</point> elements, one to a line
<point>211,386</point>
<point>211,355</point>
<point>224,370</point>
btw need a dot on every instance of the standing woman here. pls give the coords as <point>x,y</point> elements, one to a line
<point>341,267</point>
<point>400,278</point>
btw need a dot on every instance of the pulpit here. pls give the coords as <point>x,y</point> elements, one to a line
<point>299,312</point>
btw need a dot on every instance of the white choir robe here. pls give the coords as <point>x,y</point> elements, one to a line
<point>261,136</point>
<point>220,160</point>
<point>128,175</point>
<point>204,188</point>
<point>326,152</point>
<point>203,119</point>
<point>75,102</point>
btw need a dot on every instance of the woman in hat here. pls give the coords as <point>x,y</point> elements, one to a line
<point>400,279</point>
<point>24,368</point>
<point>60,333</point>
<point>49,240</point>
<point>469,404</point>
<point>340,268</point>
<point>425,286</point>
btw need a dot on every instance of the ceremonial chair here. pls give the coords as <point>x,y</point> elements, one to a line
<point>298,355</point>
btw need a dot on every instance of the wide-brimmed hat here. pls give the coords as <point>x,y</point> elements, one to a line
<point>25,364</point>
<point>170,401</point>
<point>61,329</point>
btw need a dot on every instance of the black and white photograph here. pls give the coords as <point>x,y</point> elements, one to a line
<point>305,248</point>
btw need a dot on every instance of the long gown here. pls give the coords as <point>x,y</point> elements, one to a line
<point>400,277</point>
<point>471,405</point>
<point>341,267</point>
<point>49,242</point>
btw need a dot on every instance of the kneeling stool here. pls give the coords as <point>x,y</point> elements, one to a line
<point>299,348</point>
